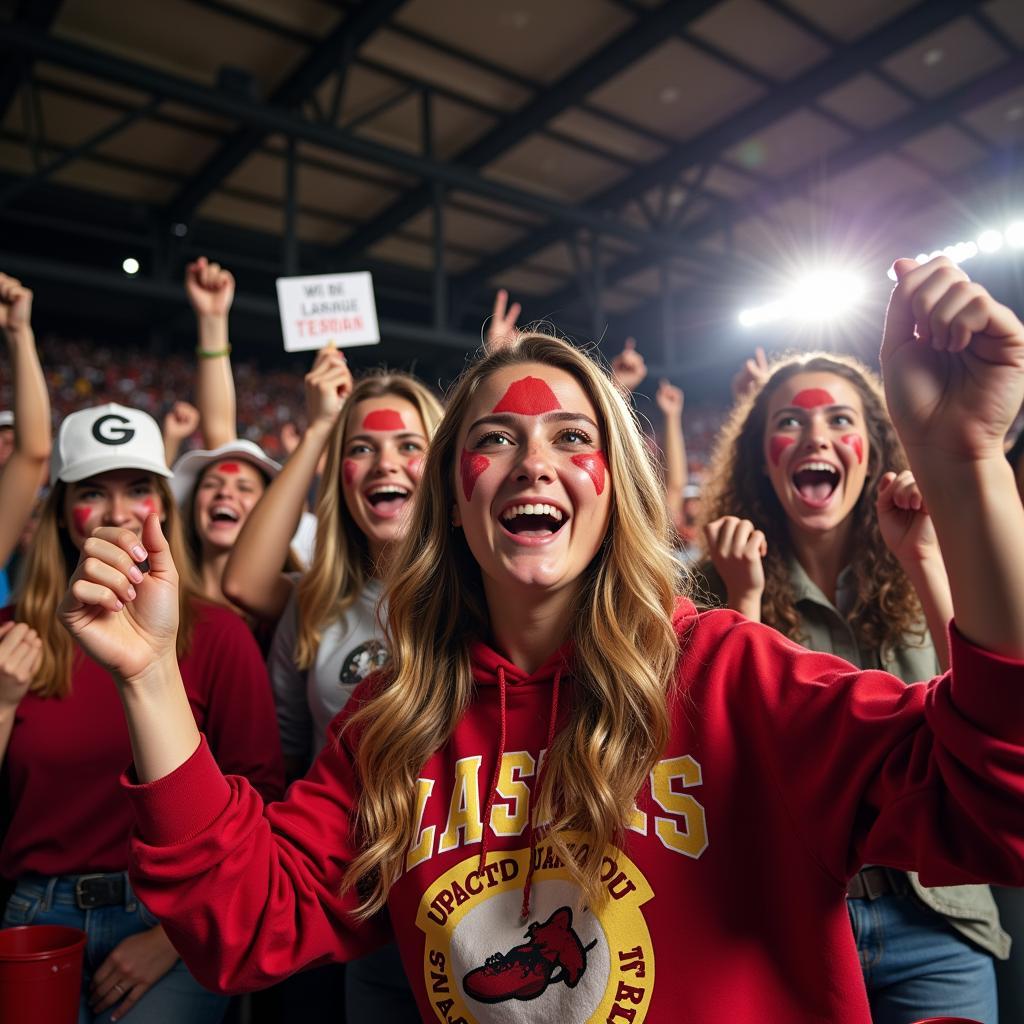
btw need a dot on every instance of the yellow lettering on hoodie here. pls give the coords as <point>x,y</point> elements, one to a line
<point>423,846</point>
<point>692,840</point>
<point>464,808</point>
<point>516,765</point>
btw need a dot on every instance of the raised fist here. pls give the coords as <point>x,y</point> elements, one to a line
<point>210,288</point>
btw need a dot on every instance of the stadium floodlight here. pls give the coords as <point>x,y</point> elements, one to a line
<point>990,240</point>
<point>819,296</point>
<point>130,265</point>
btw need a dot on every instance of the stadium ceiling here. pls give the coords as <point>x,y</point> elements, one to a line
<point>607,161</point>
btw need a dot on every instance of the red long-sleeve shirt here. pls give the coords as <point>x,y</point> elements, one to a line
<point>785,771</point>
<point>64,759</point>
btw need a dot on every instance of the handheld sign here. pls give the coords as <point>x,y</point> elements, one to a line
<point>323,308</point>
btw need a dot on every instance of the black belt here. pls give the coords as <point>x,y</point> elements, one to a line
<point>870,883</point>
<point>93,891</point>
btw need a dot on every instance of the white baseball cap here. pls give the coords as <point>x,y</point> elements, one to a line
<point>190,466</point>
<point>107,437</point>
<point>6,418</point>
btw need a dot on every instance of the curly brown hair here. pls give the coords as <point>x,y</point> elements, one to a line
<point>886,608</point>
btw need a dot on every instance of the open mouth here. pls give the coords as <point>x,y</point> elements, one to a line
<point>536,520</point>
<point>223,514</point>
<point>816,482</point>
<point>388,499</point>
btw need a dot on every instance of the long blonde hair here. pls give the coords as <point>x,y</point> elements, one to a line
<point>341,561</point>
<point>49,564</point>
<point>625,649</point>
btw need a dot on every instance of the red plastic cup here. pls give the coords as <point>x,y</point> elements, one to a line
<point>41,973</point>
<point>949,1020</point>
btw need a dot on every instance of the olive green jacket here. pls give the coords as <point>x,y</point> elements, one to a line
<point>970,909</point>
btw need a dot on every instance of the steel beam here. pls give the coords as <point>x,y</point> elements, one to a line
<point>844,64</point>
<point>650,30</point>
<point>273,119</point>
<point>32,269</point>
<point>347,37</point>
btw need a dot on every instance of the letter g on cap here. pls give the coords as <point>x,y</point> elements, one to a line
<point>113,429</point>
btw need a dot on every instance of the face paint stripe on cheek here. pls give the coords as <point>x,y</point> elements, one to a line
<point>81,514</point>
<point>470,468</point>
<point>777,445</point>
<point>811,398</point>
<point>594,465</point>
<point>529,396</point>
<point>349,470</point>
<point>384,419</point>
<point>856,442</point>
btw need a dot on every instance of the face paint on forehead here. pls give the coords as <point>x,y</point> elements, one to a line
<point>856,442</point>
<point>811,398</point>
<point>529,396</point>
<point>384,419</point>
<point>229,467</point>
<point>777,444</point>
<point>594,464</point>
<point>470,468</point>
<point>81,514</point>
<point>349,468</point>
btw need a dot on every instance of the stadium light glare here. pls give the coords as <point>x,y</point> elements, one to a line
<point>130,265</point>
<point>990,240</point>
<point>819,296</point>
<point>1015,234</point>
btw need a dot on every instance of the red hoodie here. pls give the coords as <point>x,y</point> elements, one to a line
<point>786,770</point>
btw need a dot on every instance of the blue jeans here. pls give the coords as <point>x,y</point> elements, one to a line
<point>176,997</point>
<point>917,965</point>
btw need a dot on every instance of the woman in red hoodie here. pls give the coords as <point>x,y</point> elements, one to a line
<point>579,799</point>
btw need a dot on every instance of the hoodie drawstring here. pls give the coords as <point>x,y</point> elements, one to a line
<point>497,773</point>
<point>552,722</point>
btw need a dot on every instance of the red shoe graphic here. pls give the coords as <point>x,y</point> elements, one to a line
<point>526,971</point>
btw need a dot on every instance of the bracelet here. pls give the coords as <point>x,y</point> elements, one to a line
<point>215,354</point>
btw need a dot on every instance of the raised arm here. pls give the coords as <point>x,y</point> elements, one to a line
<point>953,366</point>
<point>211,290</point>
<point>670,402</point>
<point>21,474</point>
<point>253,578</point>
<point>909,534</point>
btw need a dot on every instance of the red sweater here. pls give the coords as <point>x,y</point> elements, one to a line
<point>786,770</point>
<point>64,759</point>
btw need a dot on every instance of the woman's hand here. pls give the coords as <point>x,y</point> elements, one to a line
<point>21,653</point>
<point>751,375</point>
<point>904,521</point>
<point>669,398</point>
<point>501,328</point>
<point>955,386</point>
<point>736,548</point>
<point>15,305</point>
<point>130,970</point>
<point>125,619</point>
<point>328,384</point>
<point>181,421</point>
<point>629,368</point>
<point>210,288</point>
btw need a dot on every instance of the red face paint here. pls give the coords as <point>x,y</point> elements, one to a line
<point>81,515</point>
<point>777,444</point>
<point>349,468</point>
<point>414,467</point>
<point>145,509</point>
<point>594,465</point>
<point>811,398</point>
<point>856,442</point>
<point>530,396</point>
<point>228,467</point>
<point>470,467</point>
<point>384,419</point>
